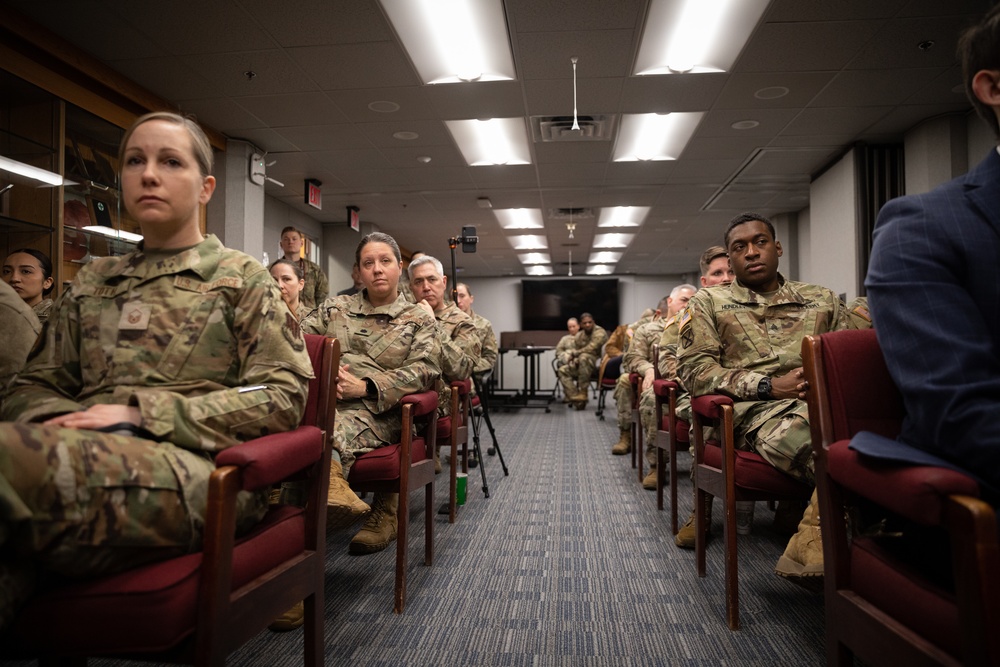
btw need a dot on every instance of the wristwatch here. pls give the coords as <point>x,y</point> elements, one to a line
<point>764,389</point>
<point>371,389</point>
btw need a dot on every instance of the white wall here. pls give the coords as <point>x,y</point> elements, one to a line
<point>832,231</point>
<point>934,152</point>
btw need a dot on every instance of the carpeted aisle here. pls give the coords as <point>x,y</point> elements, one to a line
<point>567,563</point>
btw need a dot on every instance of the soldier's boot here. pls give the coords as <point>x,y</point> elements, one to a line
<point>686,535</point>
<point>569,390</point>
<point>290,620</point>
<point>380,526</point>
<point>649,481</point>
<point>274,498</point>
<point>803,557</point>
<point>343,507</point>
<point>624,444</point>
<point>580,399</point>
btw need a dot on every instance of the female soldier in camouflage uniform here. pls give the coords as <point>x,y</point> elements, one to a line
<point>389,348</point>
<point>182,344</point>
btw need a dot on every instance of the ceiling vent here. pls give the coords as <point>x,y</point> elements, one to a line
<point>574,214</point>
<point>559,128</point>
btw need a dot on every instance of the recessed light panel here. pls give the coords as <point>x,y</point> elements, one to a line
<point>519,218</point>
<point>493,141</point>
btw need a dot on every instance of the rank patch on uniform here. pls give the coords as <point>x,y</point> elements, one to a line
<point>135,317</point>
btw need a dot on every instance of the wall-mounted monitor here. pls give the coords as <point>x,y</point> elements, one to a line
<point>547,304</point>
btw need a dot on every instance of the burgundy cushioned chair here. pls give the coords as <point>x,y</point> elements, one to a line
<point>404,468</point>
<point>732,475</point>
<point>199,608</point>
<point>605,382</point>
<point>454,432</point>
<point>886,605</point>
<point>670,433</point>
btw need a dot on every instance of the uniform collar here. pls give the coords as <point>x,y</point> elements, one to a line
<point>202,259</point>
<point>787,293</point>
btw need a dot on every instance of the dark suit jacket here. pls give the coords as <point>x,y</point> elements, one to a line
<point>934,291</point>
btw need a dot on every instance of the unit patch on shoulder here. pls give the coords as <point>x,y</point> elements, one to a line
<point>685,329</point>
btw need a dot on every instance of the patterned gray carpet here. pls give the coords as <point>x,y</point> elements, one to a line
<point>567,563</point>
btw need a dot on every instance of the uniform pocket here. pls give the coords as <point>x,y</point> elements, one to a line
<point>391,347</point>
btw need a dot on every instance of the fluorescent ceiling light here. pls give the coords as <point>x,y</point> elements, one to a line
<point>528,242</point>
<point>622,216</point>
<point>612,240</point>
<point>538,270</point>
<point>652,136</point>
<point>26,170</point>
<point>452,41</point>
<point>113,233</point>
<point>519,218</point>
<point>492,141</point>
<point>535,258</point>
<point>696,35</point>
<point>604,257</point>
<point>600,270</point>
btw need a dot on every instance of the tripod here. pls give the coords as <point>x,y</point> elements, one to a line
<point>481,413</point>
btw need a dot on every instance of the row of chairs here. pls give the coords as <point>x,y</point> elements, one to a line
<point>198,608</point>
<point>886,606</point>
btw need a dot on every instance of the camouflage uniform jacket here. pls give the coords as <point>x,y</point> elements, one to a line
<point>639,356</point>
<point>731,337</point>
<point>42,309</point>
<point>460,348</point>
<point>183,338</point>
<point>20,330</point>
<point>858,311</point>
<point>667,362</point>
<point>395,345</point>
<point>565,345</point>
<point>590,344</point>
<point>488,343</point>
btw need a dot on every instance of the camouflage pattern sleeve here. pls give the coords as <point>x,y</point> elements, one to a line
<point>858,313</point>
<point>667,361</point>
<point>318,320</point>
<point>51,378</point>
<point>460,344</point>
<point>322,283</point>
<point>700,352</point>
<point>488,341</point>
<point>638,357</point>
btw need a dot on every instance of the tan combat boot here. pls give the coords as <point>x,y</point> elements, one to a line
<point>803,557</point>
<point>290,620</point>
<point>686,535</point>
<point>649,481</point>
<point>343,507</point>
<point>380,526</point>
<point>624,444</point>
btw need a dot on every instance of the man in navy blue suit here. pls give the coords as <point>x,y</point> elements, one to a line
<point>934,289</point>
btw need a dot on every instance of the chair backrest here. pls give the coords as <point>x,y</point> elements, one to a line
<point>851,386</point>
<point>321,353</point>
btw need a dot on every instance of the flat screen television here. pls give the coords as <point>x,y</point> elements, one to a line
<point>547,304</point>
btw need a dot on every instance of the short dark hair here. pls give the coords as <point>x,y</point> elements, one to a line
<point>290,229</point>
<point>586,315</point>
<point>377,237</point>
<point>979,49</point>
<point>744,218</point>
<point>44,262</point>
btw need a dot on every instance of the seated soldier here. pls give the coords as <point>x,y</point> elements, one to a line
<point>744,341</point>
<point>389,348</point>
<point>458,341</point>
<point>21,328</point>
<point>639,359</point>
<point>715,270</point>
<point>580,361</point>
<point>149,364</point>
<point>487,337</point>
<point>623,390</point>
